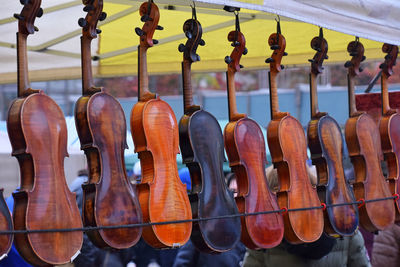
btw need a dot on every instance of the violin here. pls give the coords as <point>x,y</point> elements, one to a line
<point>364,146</point>
<point>325,142</point>
<point>389,126</point>
<point>6,223</point>
<point>38,135</point>
<point>202,148</point>
<point>108,196</point>
<point>155,133</point>
<point>288,148</point>
<point>245,147</point>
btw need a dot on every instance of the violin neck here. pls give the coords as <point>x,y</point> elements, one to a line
<point>22,62</point>
<point>187,85</point>
<point>86,58</point>
<point>385,94</point>
<point>273,95</point>
<point>142,73</point>
<point>313,95</point>
<point>232,107</point>
<point>351,96</point>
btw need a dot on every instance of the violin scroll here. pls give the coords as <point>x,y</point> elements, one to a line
<point>150,15</point>
<point>356,51</point>
<point>390,59</point>
<point>239,44</point>
<point>193,31</point>
<point>278,44</point>
<point>26,19</point>
<point>320,45</point>
<point>94,14</point>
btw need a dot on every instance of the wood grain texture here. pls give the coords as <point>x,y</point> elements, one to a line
<point>245,147</point>
<point>326,145</point>
<point>287,144</point>
<point>202,149</point>
<point>38,136</point>
<point>162,195</point>
<point>6,223</point>
<point>108,196</point>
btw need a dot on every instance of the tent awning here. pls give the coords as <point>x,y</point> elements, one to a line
<point>55,49</point>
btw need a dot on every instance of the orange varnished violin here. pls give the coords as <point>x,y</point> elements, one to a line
<point>38,135</point>
<point>364,145</point>
<point>202,148</point>
<point>325,141</point>
<point>245,147</point>
<point>389,126</point>
<point>288,148</point>
<point>108,196</point>
<point>162,195</point>
<point>5,224</point>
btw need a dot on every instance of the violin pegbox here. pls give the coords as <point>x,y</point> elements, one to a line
<point>239,44</point>
<point>277,43</point>
<point>150,15</point>
<point>356,51</point>
<point>320,45</point>
<point>193,31</point>
<point>94,9</point>
<point>26,19</point>
<point>390,58</point>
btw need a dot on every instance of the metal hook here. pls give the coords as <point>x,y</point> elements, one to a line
<point>237,20</point>
<point>278,24</point>
<point>357,39</point>
<point>321,32</point>
<point>194,15</point>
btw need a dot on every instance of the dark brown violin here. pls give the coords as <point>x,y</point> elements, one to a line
<point>5,224</point>
<point>155,133</point>
<point>108,197</point>
<point>325,141</point>
<point>389,126</point>
<point>364,145</point>
<point>202,148</point>
<point>288,148</point>
<point>38,135</point>
<point>245,147</point>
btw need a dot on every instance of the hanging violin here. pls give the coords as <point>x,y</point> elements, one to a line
<point>326,146</point>
<point>108,197</point>
<point>162,195</point>
<point>202,147</point>
<point>288,148</point>
<point>6,223</point>
<point>364,145</point>
<point>389,126</point>
<point>38,135</point>
<point>245,147</point>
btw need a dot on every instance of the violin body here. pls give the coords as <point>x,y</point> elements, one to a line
<point>245,146</point>
<point>38,136</point>
<point>326,145</point>
<point>202,149</point>
<point>287,145</point>
<point>108,197</point>
<point>364,145</point>
<point>5,224</point>
<point>162,195</point>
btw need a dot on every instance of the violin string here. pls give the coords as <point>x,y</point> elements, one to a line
<point>230,216</point>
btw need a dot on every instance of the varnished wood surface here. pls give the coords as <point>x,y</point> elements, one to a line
<point>38,136</point>
<point>202,149</point>
<point>5,224</point>
<point>245,147</point>
<point>162,195</point>
<point>108,196</point>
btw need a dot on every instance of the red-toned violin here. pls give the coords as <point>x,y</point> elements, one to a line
<point>245,147</point>
<point>38,135</point>
<point>325,141</point>
<point>389,126</point>
<point>288,147</point>
<point>364,145</point>
<point>108,196</point>
<point>162,195</point>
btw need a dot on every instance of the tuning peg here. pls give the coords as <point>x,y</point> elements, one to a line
<point>245,51</point>
<point>318,49</point>
<point>228,59</point>
<point>36,28</point>
<point>285,54</point>
<point>98,31</point>
<point>139,31</point>
<point>282,67</point>
<point>88,8</point>
<point>361,69</point>
<point>383,65</point>
<point>269,60</point>
<point>275,47</point>
<point>353,54</point>
<point>197,57</point>
<point>18,16</point>
<point>348,64</point>
<point>82,22</point>
<point>145,18</point>
<point>363,58</point>
<point>241,66</point>
<point>24,2</point>
<point>159,27</point>
<point>39,12</point>
<point>155,41</point>
<point>181,48</point>
<point>202,42</point>
<point>388,57</point>
<point>311,60</point>
<point>188,34</point>
<point>326,57</point>
<point>103,16</point>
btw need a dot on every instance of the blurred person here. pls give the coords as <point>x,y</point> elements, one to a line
<point>386,247</point>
